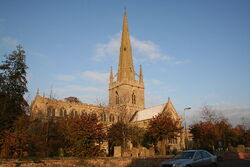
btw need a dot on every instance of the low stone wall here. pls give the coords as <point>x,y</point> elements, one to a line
<point>229,155</point>
<point>108,161</point>
<point>91,162</point>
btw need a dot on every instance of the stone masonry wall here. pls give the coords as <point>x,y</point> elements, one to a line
<point>95,162</point>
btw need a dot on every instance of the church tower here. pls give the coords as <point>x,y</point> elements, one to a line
<point>126,88</point>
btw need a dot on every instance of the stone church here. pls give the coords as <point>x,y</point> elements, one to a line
<point>126,97</point>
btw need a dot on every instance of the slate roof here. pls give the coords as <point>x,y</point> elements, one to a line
<point>148,113</point>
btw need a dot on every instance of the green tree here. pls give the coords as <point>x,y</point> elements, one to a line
<point>12,88</point>
<point>118,135</point>
<point>136,135</point>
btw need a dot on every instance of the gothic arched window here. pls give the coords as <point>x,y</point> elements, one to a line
<point>62,112</point>
<point>50,112</point>
<point>103,117</point>
<point>84,113</point>
<point>73,113</point>
<point>116,98</point>
<point>65,113</point>
<point>94,115</point>
<point>120,118</point>
<point>111,118</point>
<point>133,98</point>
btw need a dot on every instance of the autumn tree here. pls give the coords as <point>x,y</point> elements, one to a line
<point>13,86</point>
<point>214,131</point>
<point>38,130</point>
<point>83,135</point>
<point>15,140</point>
<point>163,126</point>
<point>242,135</point>
<point>203,135</point>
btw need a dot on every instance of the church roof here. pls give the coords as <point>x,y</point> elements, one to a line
<point>148,113</point>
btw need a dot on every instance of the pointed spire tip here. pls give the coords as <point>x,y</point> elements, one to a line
<point>37,92</point>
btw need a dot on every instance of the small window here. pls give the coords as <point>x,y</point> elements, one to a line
<point>73,113</point>
<point>61,113</point>
<point>65,113</point>
<point>84,113</point>
<point>94,115</point>
<point>117,98</point>
<point>103,117</point>
<point>51,112</point>
<point>119,118</point>
<point>133,98</point>
<point>125,49</point>
<point>111,118</point>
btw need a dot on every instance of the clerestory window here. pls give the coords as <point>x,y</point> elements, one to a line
<point>133,98</point>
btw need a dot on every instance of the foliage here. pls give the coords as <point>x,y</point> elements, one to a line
<point>12,88</point>
<point>72,99</point>
<point>118,135</point>
<point>46,138</point>
<point>216,132</point>
<point>121,132</point>
<point>136,135</point>
<point>83,135</point>
<point>163,126</point>
<point>203,134</point>
<point>147,140</point>
<point>242,135</point>
<point>31,137</point>
<point>16,140</point>
<point>80,136</point>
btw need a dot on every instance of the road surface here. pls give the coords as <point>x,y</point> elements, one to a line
<point>235,163</point>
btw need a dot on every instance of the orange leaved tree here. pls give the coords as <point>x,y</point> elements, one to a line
<point>83,135</point>
<point>163,126</point>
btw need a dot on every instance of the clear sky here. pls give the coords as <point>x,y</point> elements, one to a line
<point>196,52</point>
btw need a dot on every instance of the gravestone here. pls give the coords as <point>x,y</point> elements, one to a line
<point>117,151</point>
<point>135,152</point>
<point>151,151</point>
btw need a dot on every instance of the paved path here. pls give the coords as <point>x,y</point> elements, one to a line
<point>235,163</point>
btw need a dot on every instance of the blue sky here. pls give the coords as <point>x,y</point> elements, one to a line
<point>196,52</point>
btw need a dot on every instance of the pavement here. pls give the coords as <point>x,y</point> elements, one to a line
<point>235,163</point>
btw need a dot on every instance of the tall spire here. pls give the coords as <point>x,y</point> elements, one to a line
<point>126,67</point>
<point>37,92</point>
<point>111,75</point>
<point>141,75</point>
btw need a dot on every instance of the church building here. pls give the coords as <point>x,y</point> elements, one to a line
<point>126,97</point>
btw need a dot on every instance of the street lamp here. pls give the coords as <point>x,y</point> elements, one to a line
<point>185,126</point>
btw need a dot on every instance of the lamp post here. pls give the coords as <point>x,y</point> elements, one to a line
<point>185,127</point>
